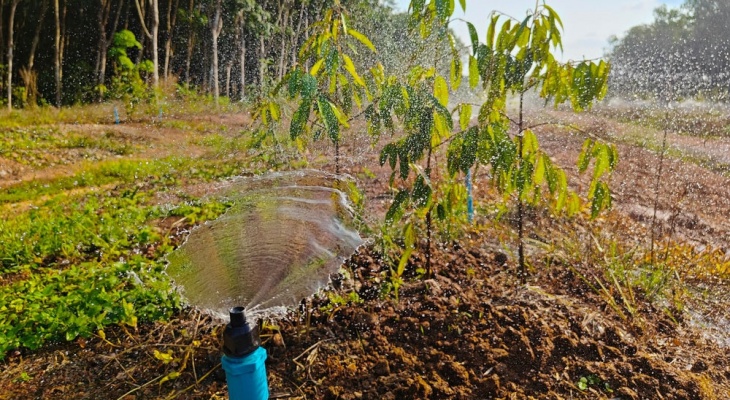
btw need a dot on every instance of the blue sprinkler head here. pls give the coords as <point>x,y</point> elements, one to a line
<point>239,337</point>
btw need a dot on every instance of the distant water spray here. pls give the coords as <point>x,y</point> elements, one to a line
<point>284,236</point>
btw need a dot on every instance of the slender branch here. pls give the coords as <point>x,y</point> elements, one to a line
<point>451,138</point>
<point>141,19</point>
<point>570,126</point>
<point>141,387</point>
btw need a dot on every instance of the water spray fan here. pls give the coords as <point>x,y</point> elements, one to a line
<point>243,359</point>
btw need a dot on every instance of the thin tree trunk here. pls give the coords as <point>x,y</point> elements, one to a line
<point>262,62</point>
<point>102,18</point>
<point>284,39</point>
<point>11,22</point>
<point>64,36</point>
<point>2,35</point>
<point>520,205</point>
<point>57,53</point>
<point>229,67</point>
<point>171,20</point>
<point>429,222</point>
<point>155,54</point>
<point>297,34</point>
<point>107,41</point>
<point>242,55</point>
<point>215,31</point>
<point>142,15</point>
<point>191,38</point>
<point>37,35</point>
<point>306,37</point>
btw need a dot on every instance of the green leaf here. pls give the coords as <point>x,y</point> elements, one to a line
<point>584,158</point>
<point>601,199</point>
<point>404,260</point>
<point>166,358</point>
<point>554,15</point>
<point>421,192</point>
<point>340,115</point>
<point>523,37</point>
<point>441,90</point>
<point>456,72</point>
<point>171,376</point>
<point>442,8</point>
<point>538,176</point>
<point>329,119</point>
<point>463,5</point>
<point>387,153</point>
<point>362,39</point>
<point>299,119</point>
<point>465,116</point>
<point>309,87</point>
<point>474,37</point>
<point>473,72</point>
<point>295,82</point>
<point>416,6</point>
<point>344,22</point>
<point>469,149</point>
<point>350,67</point>
<point>275,110</point>
<point>396,209</point>
<point>441,212</point>
<point>491,30</point>
<point>316,67</point>
<point>529,143</point>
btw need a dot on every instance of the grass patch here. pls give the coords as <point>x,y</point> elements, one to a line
<point>161,173</point>
<point>45,146</point>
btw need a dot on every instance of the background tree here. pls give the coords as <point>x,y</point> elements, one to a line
<point>71,55</point>
<point>11,44</point>
<point>685,48</point>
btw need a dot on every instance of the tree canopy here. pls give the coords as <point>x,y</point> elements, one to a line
<point>684,52</point>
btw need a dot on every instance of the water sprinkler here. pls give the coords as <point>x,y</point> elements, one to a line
<point>243,359</point>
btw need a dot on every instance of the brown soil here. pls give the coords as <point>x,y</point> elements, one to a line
<point>469,332</point>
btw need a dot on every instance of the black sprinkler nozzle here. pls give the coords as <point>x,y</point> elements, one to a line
<point>239,337</point>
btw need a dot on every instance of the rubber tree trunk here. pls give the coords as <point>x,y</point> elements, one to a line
<point>11,21</point>
<point>191,41</point>
<point>101,18</point>
<point>215,30</point>
<point>155,28</point>
<point>242,55</point>
<point>105,41</point>
<point>2,35</point>
<point>151,34</point>
<point>262,61</point>
<point>37,35</point>
<point>57,52</point>
<point>171,20</point>
<point>229,67</point>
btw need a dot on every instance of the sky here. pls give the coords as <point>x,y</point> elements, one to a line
<point>587,23</point>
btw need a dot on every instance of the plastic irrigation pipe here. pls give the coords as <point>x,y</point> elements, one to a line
<point>469,199</point>
<point>243,359</point>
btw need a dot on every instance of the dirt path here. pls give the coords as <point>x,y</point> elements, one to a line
<point>694,201</point>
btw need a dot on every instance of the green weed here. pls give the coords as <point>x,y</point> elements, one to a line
<point>77,264</point>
